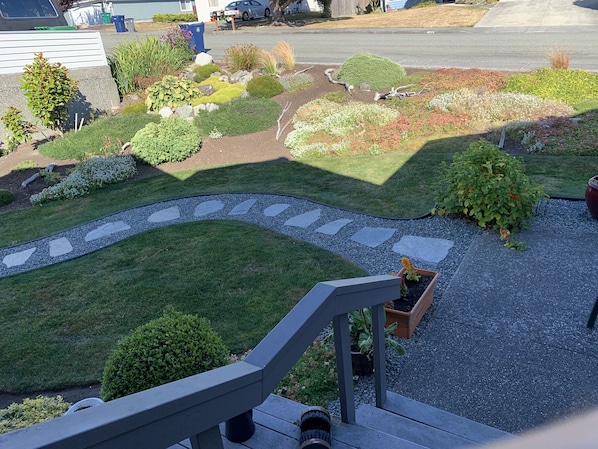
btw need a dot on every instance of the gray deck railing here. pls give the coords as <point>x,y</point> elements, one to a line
<point>195,406</point>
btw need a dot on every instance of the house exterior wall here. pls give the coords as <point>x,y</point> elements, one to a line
<point>147,9</point>
<point>81,52</point>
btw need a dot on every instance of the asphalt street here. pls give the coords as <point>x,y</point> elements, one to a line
<point>513,35</point>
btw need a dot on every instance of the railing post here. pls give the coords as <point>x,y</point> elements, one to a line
<point>378,322</point>
<point>342,346</point>
<point>210,439</point>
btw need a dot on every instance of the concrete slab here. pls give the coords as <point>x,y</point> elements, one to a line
<point>60,247</point>
<point>106,230</point>
<point>423,248</point>
<point>373,237</point>
<point>208,207</point>
<point>275,209</point>
<point>332,228</point>
<point>304,220</point>
<point>19,258</point>
<point>243,208</point>
<point>169,214</point>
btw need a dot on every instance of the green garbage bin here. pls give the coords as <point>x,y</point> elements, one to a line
<point>105,18</point>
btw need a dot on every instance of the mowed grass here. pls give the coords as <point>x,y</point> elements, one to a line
<point>60,323</point>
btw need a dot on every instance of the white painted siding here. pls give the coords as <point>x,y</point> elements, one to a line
<point>74,49</point>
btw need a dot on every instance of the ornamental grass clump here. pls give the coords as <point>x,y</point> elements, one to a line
<point>377,71</point>
<point>242,57</point>
<point>172,140</point>
<point>166,349</point>
<point>490,187</point>
<point>285,54</point>
<point>87,176</point>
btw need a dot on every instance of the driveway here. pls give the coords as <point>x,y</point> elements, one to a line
<point>541,13</point>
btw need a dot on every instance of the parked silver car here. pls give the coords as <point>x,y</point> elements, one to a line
<point>249,9</point>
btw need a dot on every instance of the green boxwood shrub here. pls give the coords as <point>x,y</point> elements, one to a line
<point>377,71</point>
<point>171,92</point>
<point>171,140</point>
<point>166,349</point>
<point>30,412</point>
<point>6,197</point>
<point>488,186</point>
<point>264,87</point>
<point>203,72</point>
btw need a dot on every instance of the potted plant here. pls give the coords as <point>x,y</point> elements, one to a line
<point>417,293</point>
<point>592,196</point>
<point>362,341</point>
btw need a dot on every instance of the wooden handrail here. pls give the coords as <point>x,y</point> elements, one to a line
<point>193,407</point>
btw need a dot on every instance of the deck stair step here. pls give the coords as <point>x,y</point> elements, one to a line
<point>426,425</point>
<point>404,424</point>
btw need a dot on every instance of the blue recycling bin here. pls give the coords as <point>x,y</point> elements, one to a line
<point>196,29</point>
<point>119,24</point>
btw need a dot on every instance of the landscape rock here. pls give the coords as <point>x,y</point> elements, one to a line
<point>206,89</point>
<point>165,112</point>
<point>203,59</point>
<point>210,107</point>
<point>185,111</point>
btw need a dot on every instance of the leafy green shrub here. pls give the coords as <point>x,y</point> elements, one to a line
<point>30,412</point>
<point>171,92</point>
<point>264,87</point>
<point>490,107</point>
<point>242,116</point>
<point>14,122</point>
<point>48,89</point>
<point>570,86</point>
<point>242,57</point>
<point>137,64</point>
<point>171,140</point>
<point>135,108</point>
<point>203,72</point>
<point>166,349</point>
<point>6,197</point>
<point>87,176</point>
<point>174,18</point>
<point>91,140</point>
<point>296,81</point>
<point>488,186</point>
<point>25,165</point>
<point>377,71</point>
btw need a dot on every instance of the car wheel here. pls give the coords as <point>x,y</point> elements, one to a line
<point>245,16</point>
<point>267,12</point>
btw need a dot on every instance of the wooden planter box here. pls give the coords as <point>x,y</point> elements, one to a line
<point>408,321</point>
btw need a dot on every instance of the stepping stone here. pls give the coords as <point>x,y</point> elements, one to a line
<point>106,230</point>
<point>373,237</point>
<point>423,248</point>
<point>60,247</point>
<point>172,213</point>
<point>208,207</point>
<point>243,208</point>
<point>17,259</point>
<point>331,228</point>
<point>275,209</point>
<point>304,220</point>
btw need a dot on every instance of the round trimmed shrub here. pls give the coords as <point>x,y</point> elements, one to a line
<point>172,140</point>
<point>6,197</point>
<point>166,349</point>
<point>264,87</point>
<point>377,71</point>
